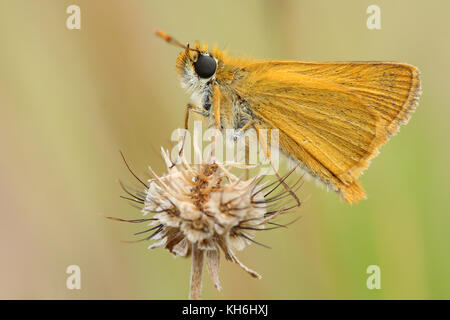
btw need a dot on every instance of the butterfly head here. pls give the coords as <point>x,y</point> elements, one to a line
<point>196,66</point>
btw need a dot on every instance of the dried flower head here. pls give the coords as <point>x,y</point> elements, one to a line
<point>203,209</point>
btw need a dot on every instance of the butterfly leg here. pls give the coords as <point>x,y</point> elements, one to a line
<point>244,127</point>
<point>189,107</point>
<point>266,150</point>
<point>216,106</point>
<point>247,148</point>
<point>216,113</point>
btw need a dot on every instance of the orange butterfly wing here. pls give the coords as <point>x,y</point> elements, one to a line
<point>332,116</point>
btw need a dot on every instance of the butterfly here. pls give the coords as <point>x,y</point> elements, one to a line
<point>332,117</point>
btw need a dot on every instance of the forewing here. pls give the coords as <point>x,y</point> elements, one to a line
<point>332,116</point>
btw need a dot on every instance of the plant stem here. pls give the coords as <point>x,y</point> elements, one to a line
<point>196,273</point>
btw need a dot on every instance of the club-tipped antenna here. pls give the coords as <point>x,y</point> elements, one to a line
<point>173,41</point>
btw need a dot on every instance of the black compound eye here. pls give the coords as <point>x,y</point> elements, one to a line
<point>205,66</point>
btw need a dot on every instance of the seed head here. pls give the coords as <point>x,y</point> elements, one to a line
<point>204,208</point>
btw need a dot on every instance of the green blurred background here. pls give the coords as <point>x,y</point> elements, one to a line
<point>71,99</point>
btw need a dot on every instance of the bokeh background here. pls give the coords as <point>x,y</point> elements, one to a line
<point>71,99</point>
